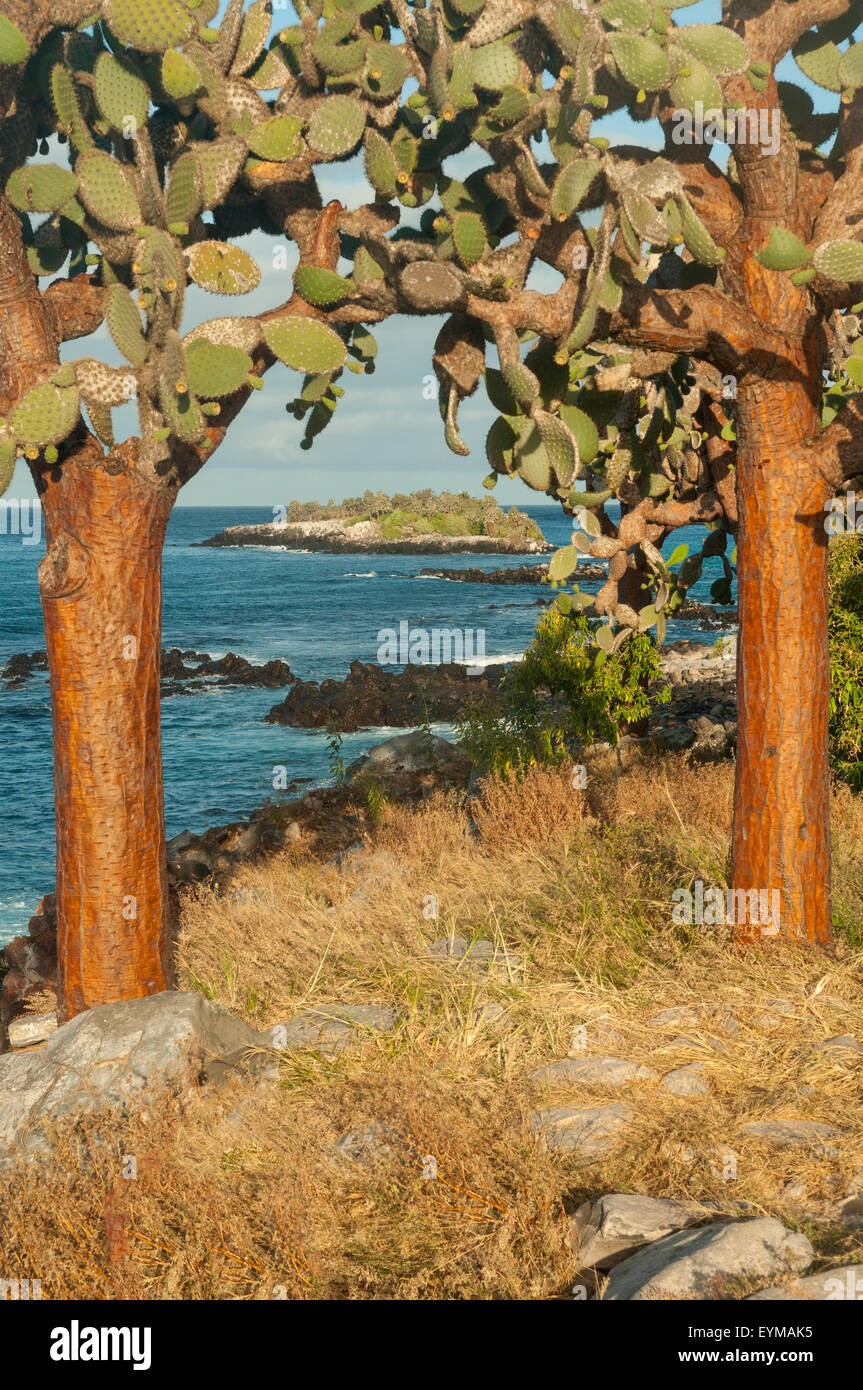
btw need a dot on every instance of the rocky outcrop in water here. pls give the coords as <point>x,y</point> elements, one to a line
<point>371,697</point>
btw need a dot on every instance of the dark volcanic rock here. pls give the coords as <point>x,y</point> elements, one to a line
<point>334,542</point>
<point>519,574</point>
<point>372,697</point>
<point>184,671</point>
<point>21,666</point>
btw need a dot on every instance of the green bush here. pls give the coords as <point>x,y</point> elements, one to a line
<point>846,658</point>
<point>564,692</point>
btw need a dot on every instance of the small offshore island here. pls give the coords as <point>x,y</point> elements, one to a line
<point>422,523</point>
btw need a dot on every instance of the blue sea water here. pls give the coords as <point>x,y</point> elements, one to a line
<point>318,612</point>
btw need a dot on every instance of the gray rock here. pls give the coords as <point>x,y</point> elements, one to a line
<point>680,1016</point>
<point>586,1132</point>
<point>678,737</point>
<point>829,1285</point>
<point>591,1071</point>
<point>31,1029</point>
<point>686,1081</point>
<point>777,1011</point>
<point>699,1264</point>
<point>413,752</point>
<point>181,841</point>
<point>121,1055</point>
<point>799,1134</point>
<point>613,1227</point>
<point>845,1048</point>
<point>478,957</point>
<point>331,1028</point>
<point>706,1041</point>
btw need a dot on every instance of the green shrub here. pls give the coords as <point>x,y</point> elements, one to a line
<point>564,692</point>
<point>846,658</point>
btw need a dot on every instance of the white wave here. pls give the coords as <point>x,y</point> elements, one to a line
<point>480,663</point>
<point>361,574</point>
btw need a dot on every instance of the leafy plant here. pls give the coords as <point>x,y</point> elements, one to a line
<point>846,659</point>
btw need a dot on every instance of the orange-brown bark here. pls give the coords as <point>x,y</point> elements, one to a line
<point>101,595</point>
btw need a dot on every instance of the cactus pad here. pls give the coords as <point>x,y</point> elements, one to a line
<point>253,35</point>
<point>152,26</point>
<point>382,168</point>
<point>14,48</point>
<point>184,195</point>
<point>571,186</point>
<point>495,66</point>
<point>431,287</point>
<point>277,138</point>
<point>222,269</point>
<point>241,333</point>
<point>337,126</point>
<point>320,287</point>
<point>103,385</point>
<point>468,233</point>
<point>784,251</point>
<point>121,96</point>
<point>386,71</point>
<point>45,415</point>
<point>107,191</point>
<point>215,370</point>
<point>180,76</point>
<point>840,260</point>
<point>640,61</point>
<point>124,325</point>
<point>41,188</point>
<point>305,344</point>
<point>720,50</point>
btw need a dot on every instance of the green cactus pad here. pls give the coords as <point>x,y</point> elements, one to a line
<point>784,251</point>
<point>366,268</point>
<point>180,76</point>
<point>583,430</point>
<point>107,191</point>
<point>41,188</point>
<point>386,71</point>
<point>530,455</point>
<point>184,194</point>
<point>124,325</point>
<point>820,61</point>
<point>151,27</point>
<point>696,84</point>
<point>121,96</point>
<point>840,260</point>
<point>253,35</point>
<point>213,370</point>
<point>640,61</point>
<point>305,345</point>
<point>625,14</point>
<point>560,446</point>
<point>696,236</point>
<point>219,165</point>
<point>45,415</point>
<point>720,50</point>
<point>513,105</point>
<point>571,186</point>
<point>337,126</point>
<point>8,457</point>
<point>468,8</point>
<point>222,269</point>
<point>851,67</point>
<point>495,66</point>
<point>381,166</point>
<point>14,48</point>
<point>468,233</point>
<point>321,287</point>
<point>277,138</point>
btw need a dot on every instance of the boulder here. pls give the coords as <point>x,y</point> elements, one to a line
<point>700,1264</point>
<point>586,1132</point>
<point>591,1071</point>
<point>413,752</point>
<point>331,1028</point>
<point>613,1227</point>
<point>686,1081</point>
<point>829,1285</point>
<point>121,1055</point>
<point>798,1134</point>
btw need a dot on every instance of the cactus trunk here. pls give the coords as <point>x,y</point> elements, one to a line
<point>100,584</point>
<point>781,834</point>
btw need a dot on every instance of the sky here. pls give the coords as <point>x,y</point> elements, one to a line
<point>386,433</point>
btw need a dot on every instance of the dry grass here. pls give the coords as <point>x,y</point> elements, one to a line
<point>242,1195</point>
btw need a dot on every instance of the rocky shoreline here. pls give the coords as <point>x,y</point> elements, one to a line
<point>365,538</point>
<point>182,672</point>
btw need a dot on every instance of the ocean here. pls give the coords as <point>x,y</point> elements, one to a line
<point>317,612</point>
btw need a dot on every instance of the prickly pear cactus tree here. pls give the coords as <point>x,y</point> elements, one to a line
<point>676,365</point>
